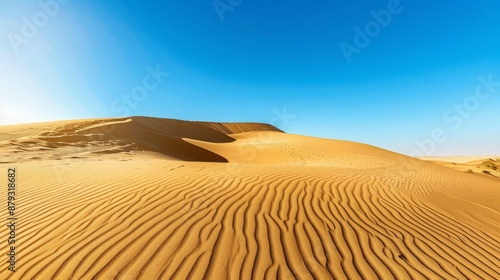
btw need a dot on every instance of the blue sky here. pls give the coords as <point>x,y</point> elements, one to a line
<point>241,60</point>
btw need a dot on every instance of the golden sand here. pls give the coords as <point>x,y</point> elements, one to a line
<point>145,198</point>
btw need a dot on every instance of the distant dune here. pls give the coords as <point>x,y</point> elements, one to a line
<point>486,166</point>
<point>148,198</point>
<point>459,159</point>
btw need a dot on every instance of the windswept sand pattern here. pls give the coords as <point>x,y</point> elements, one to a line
<point>152,222</point>
<point>142,198</point>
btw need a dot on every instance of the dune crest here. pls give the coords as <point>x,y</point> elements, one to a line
<point>110,136</point>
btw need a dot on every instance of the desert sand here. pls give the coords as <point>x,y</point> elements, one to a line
<point>460,159</point>
<point>146,198</point>
<point>487,166</point>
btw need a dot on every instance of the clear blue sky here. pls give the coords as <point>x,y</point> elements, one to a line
<point>243,60</point>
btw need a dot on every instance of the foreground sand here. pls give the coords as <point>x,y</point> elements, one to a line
<point>142,198</point>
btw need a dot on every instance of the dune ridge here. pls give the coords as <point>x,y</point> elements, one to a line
<point>163,136</point>
<point>282,207</point>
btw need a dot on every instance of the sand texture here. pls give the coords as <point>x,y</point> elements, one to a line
<point>146,198</point>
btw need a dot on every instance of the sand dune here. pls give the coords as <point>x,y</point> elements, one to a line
<point>144,198</point>
<point>459,159</point>
<point>485,166</point>
<point>162,136</point>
